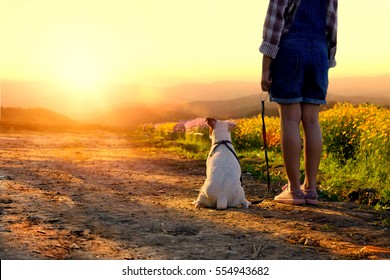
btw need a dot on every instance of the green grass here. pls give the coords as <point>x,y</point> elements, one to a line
<point>254,162</point>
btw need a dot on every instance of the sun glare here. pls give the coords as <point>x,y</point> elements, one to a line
<point>80,70</point>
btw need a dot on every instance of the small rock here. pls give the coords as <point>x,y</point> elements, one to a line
<point>74,246</point>
<point>230,254</point>
<point>302,240</point>
<point>309,242</point>
<point>6,177</point>
<point>87,234</point>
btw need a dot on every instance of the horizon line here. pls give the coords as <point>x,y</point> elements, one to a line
<point>195,81</point>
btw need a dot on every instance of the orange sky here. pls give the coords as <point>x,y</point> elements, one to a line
<point>84,44</point>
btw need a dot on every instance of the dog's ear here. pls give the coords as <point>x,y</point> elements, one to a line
<point>211,122</point>
<point>231,125</point>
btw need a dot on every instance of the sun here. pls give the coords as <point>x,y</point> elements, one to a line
<point>80,70</point>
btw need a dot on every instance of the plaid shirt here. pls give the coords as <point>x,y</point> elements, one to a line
<point>279,18</point>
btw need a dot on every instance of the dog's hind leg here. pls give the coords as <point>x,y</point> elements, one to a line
<point>246,204</point>
<point>222,203</point>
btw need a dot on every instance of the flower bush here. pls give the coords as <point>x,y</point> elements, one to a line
<point>356,149</point>
<point>196,130</point>
<point>248,134</point>
<point>350,131</point>
<point>166,130</point>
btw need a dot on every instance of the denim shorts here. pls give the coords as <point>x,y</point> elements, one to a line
<point>300,71</point>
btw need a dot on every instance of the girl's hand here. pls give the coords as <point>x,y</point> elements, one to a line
<point>266,80</point>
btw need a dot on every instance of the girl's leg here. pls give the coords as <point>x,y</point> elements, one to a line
<point>312,144</point>
<point>290,118</point>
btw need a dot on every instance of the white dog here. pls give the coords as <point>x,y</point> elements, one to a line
<point>222,187</point>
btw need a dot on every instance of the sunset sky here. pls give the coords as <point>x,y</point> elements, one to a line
<point>87,43</point>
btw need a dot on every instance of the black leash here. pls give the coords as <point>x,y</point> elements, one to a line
<point>265,150</point>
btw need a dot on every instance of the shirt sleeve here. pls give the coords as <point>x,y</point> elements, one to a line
<point>273,27</point>
<point>331,30</point>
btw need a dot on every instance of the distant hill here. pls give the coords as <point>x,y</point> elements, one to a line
<point>38,119</point>
<point>28,94</point>
<point>131,117</point>
<point>32,94</point>
<point>127,105</point>
<point>222,90</point>
<point>242,107</point>
<point>368,88</point>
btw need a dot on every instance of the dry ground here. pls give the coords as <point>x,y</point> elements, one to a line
<point>81,196</point>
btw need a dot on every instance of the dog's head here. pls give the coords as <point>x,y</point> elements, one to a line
<point>220,130</point>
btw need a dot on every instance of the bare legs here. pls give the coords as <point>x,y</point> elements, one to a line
<point>290,118</point>
<point>291,115</point>
<point>313,143</point>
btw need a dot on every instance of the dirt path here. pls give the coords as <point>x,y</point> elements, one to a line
<point>69,196</point>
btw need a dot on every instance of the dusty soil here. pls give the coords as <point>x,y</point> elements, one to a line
<point>80,196</point>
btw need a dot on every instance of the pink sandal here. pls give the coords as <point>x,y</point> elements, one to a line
<point>310,195</point>
<point>290,197</point>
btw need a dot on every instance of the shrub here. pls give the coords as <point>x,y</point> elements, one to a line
<point>340,131</point>
<point>248,134</point>
<point>357,149</point>
<point>197,130</point>
<point>166,130</point>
